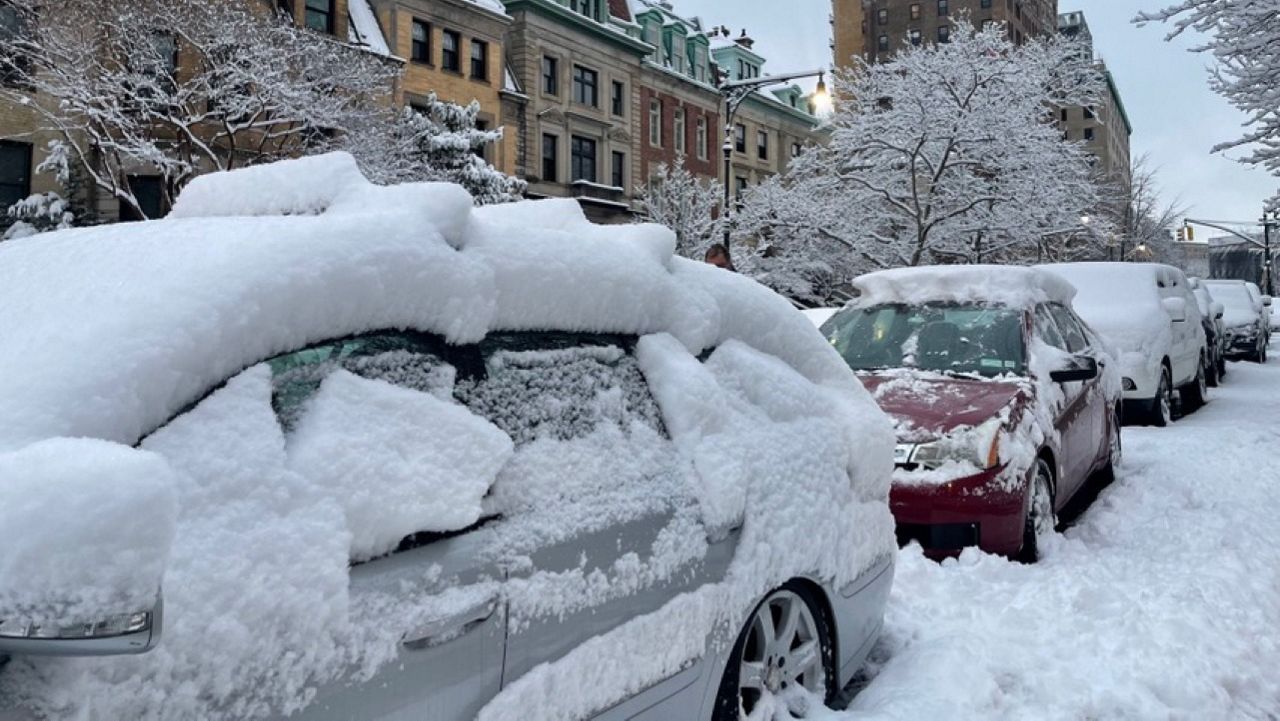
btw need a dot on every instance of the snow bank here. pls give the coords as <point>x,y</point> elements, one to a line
<point>433,459</point>
<point>998,284</point>
<point>88,526</point>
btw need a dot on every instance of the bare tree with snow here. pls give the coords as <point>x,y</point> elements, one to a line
<point>677,199</point>
<point>1244,37</point>
<point>175,88</point>
<point>948,153</point>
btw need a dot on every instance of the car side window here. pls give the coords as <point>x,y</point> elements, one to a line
<point>1077,341</point>
<point>1047,329</point>
<point>559,386</point>
<point>411,360</point>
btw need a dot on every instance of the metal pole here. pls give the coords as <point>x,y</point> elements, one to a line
<point>1266,254</point>
<point>728,169</point>
<point>1122,250</point>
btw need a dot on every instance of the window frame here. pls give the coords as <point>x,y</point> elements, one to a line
<point>328,15</point>
<point>483,60</point>
<point>420,50</point>
<point>655,122</point>
<point>762,144</point>
<point>551,76</point>
<point>579,81</point>
<point>550,161</point>
<point>22,182</point>
<point>740,138</point>
<point>618,98</point>
<point>580,162</point>
<point>679,131</point>
<point>618,169</point>
<point>446,64</point>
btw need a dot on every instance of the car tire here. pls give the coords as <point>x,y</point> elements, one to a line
<point>1194,394</point>
<point>1211,377</point>
<point>1041,519</point>
<point>774,663</point>
<point>1115,447</point>
<point>1222,367</point>
<point>1161,412</point>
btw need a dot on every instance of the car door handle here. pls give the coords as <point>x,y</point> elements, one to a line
<point>451,624</point>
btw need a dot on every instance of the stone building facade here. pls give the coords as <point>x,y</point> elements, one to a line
<point>1105,129</point>
<point>456,49</point>
<point>578,65</point>
<point>881,28</point>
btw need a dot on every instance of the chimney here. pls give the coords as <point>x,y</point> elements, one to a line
<point>745,40</point>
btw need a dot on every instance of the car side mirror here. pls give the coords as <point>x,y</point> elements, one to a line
<point>88,530</point>
<point>1079,368</point>
<point>1176,308</point>
<point>1218,310</point>
<point>1266,300</point>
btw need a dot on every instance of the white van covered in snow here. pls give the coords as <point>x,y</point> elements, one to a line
<point>1148,313</point>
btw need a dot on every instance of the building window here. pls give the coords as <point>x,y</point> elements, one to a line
<point>762,144</point>
<point>1088,134</point>
<point>618,99</point>
<point>550,154</point>
<point>883,43</point>
<point>678,131</point>
<point>739,187</point>
<point>619,172</point>
<point>1088,113</point>
<point>452,57</point>
<point>944,33</point>
<point>915,11</point>
<point>701,140</point>
<point>943,7</point>
<point>481,151</point>
<point>740,137</point>
<point>583,151</point>
<point>320,15</point>
<point>655,123</point>
<point>550,75</point>
<point>584,86</point>
<point>796,150</point>
<point>590,8</point>
<point>285,6</point>
<point>882,16</point>
<point>420,52</point>
<point>1064,115</point>
<point>985,4</point>
<point>479,60</point>
<point>15,172</point>
<point>914,35</point>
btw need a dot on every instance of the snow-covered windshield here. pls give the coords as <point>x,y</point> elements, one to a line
<point>945,337</point>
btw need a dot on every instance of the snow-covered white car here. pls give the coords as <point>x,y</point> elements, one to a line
<point>1003,401</point>
<point>1247,318</point>
<point>1211,313</point>
<point>372,453</point>
<point>1148,314</point>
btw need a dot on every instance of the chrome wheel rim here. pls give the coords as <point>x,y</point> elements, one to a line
<point>781,657</point>
<point>1116,449</point>
<point>1166,399</point>
<point>1202,382</point>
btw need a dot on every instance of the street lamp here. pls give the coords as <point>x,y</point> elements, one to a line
<point>735,92</point>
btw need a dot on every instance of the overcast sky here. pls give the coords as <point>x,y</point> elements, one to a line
<point>1176,118</point>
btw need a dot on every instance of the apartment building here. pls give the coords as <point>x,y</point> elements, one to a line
<point>876,29</point>
<point>1104,129</point>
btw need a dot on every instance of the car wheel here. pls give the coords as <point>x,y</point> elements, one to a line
<point>1161,413</point>
<point>1211,373</point>
<point>1222,367</point>
<point>1195,393</point>
<point>1116,448</point>
<point>1041,518</point>
<point>783,659</point>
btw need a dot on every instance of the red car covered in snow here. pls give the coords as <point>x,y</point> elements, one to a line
<point>1001,395</point>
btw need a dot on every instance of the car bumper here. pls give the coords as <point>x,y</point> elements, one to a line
<point>1241,346</point>
<point>987,510</point>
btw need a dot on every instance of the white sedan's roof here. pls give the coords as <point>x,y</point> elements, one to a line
<point>106,332</point>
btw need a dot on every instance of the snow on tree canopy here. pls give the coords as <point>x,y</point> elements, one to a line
<point>999,284</point>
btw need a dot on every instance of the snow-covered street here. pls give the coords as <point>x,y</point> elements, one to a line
<point>1161,601</point>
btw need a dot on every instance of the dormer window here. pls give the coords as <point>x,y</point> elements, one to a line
<point>590,8</point>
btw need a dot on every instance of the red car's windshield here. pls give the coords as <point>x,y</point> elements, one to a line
<point>945,337</point>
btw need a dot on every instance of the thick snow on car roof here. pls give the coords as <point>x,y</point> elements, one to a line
<point>108,331</point>
<point>999,284</point>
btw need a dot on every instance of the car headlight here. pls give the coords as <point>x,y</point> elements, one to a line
<point>978,446</point>
<point>1128,384</point>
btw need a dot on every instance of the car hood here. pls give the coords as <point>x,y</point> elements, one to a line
<point>926,405</point>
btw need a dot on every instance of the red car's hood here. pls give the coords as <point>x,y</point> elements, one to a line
<point>925,404</point>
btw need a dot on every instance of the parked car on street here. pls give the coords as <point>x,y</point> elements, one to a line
<point>1146,311</point>
<point>1211,312</point>
<point>1005,401</point>
<point>392,456</point>
<point>1247,319</point>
